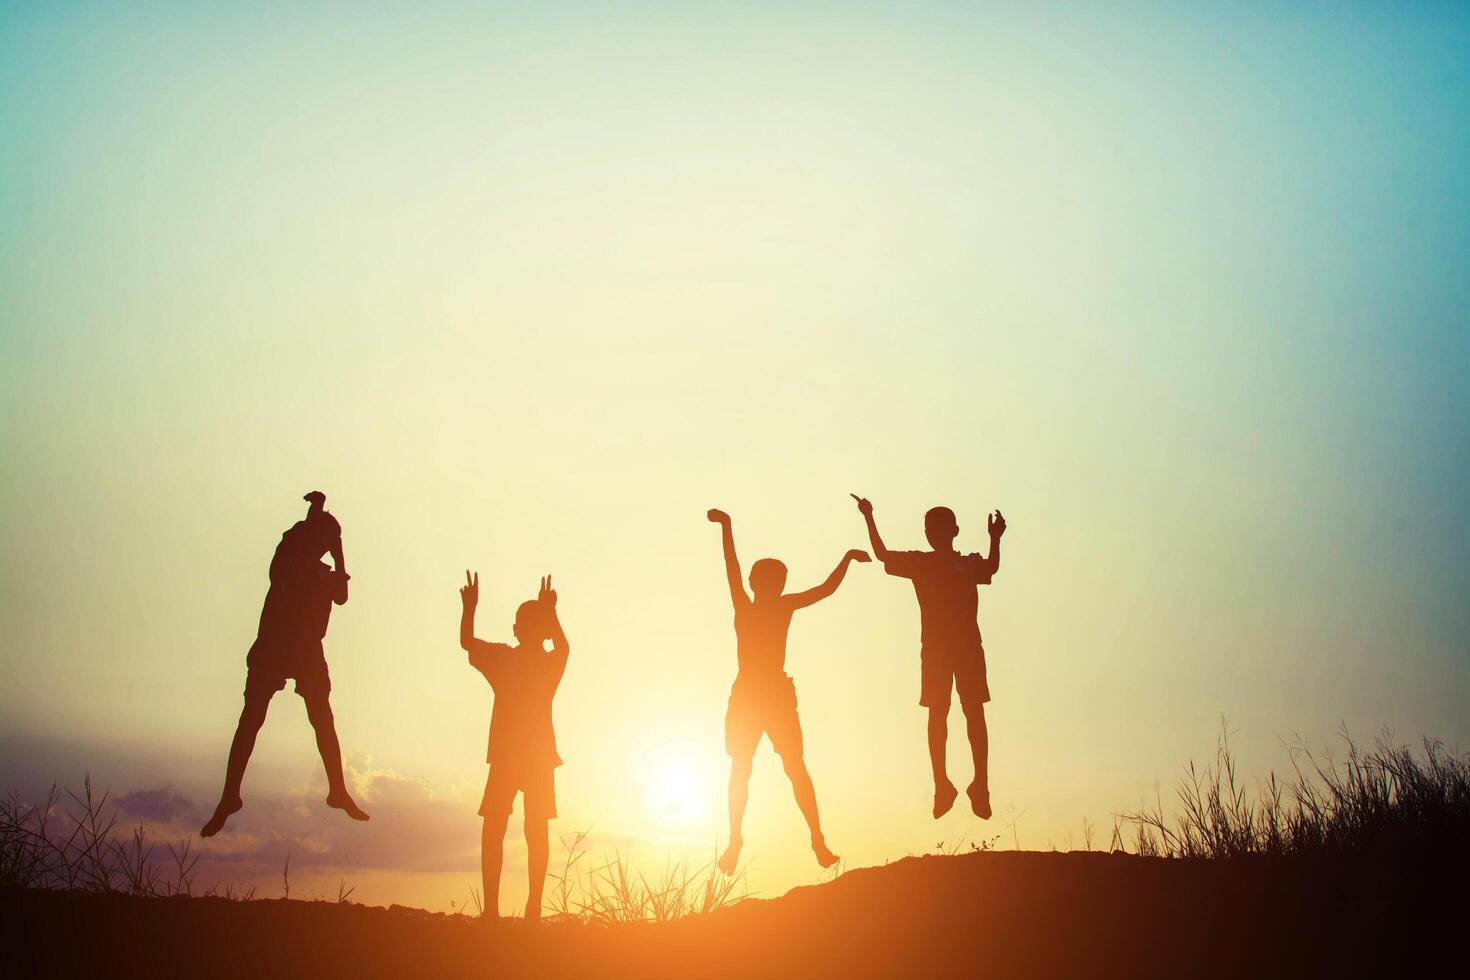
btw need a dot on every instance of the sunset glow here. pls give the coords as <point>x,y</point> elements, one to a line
<point>529,289</point>
<point>675,791</point>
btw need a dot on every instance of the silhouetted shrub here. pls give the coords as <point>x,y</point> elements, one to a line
<point>1387,800</point>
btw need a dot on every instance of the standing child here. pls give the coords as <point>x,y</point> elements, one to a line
<point>763,699</point>
<point>951,656</point>
<point>522,750</point>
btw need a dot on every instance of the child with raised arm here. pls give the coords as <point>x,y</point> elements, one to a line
<point>522,749</point>
<point>288,645</point>
<point>763,698</point>
<point>951,655</point>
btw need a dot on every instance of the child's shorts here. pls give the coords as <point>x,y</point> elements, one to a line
<point>536,786</point>
<point>762,707</point>
<point>945,669</point>
<point>270,664</point>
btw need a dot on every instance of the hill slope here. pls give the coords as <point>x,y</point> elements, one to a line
<point>985,914</point>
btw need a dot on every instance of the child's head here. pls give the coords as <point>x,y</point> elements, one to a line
<point>767,578</point>
<point>531,625</point>
<point>323,534</point>
<point>940,528</point>
<point>322,531</point>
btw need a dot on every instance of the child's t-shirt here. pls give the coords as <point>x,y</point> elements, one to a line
<point>298,604</point>
<point>524,682</point>
<point>949,598</point>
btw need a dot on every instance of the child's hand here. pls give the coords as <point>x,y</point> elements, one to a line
<point>865,506</point>
<point>469,593</point>
<point>857,554</point>
<point>996,524</point>
<point>717,516</point>
<point>547,596</point>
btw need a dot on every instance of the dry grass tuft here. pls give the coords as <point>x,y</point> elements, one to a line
<point>71,841</point>
<point>1387,800</point>
<point>614,892</point>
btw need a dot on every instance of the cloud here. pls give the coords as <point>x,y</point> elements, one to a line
<point>413,828</point>
<point>419,832</point>
<point>159,806</point>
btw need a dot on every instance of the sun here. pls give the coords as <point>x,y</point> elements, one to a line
<point>673,790</point>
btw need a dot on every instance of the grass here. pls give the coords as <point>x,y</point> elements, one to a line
<point>614,892</point>
<point>71,841</point>
<point>1387,800</point>
<point>965,845</point>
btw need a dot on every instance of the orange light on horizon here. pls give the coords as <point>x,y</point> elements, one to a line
<point>674,790</point>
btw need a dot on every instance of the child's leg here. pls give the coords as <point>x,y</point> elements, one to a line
<point>319,713</point>
<point>979,751</point>
<point>944,791</point>
<point>936,688</point>
<point>806,799</point>
<point>538,850</point>
<point>492,851</point>
<point>740,767</point>
<point>324,724</point>
<point>251,718</point>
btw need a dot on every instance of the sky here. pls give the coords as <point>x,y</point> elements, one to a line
<point>1180,289</point>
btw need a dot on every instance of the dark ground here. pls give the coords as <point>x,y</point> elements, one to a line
<point>985,914</point>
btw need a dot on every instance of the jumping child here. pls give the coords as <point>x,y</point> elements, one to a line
<point>288,645</point>
<point>763,698</point>
<point>951,655</point>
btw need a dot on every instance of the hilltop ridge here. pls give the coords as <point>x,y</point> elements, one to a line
<point>980,914</point>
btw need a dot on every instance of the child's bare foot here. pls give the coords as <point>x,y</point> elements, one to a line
<point>221,814</point>
<point>979,800</point>
<point>824,854</point>
<point>339,800</point>
<point>728,860</point>
<point>944,797</point>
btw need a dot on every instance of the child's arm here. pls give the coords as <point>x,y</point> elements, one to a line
<point>281,560</point>
<point>996,525</point>
<point>984,567</point>
<point>339,574</point>
<point>338,586</point>
<point>469,597</point>
<point>287,567</point>
<point>488,658</point>
<point>865,507</point>
<point>802,599</point>
<point>559,646</point>
<point>732,563</point>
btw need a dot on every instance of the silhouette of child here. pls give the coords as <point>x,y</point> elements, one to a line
<point>763,698</point>
<point>288,644</point>
<point>951,655</point>
<point>522,747</point>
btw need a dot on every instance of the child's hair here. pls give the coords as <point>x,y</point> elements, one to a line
<point>323,528</point>
<point>940,518</point>
<point>768,575</point>
<point>940,527</point>
<point>530,626</point>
